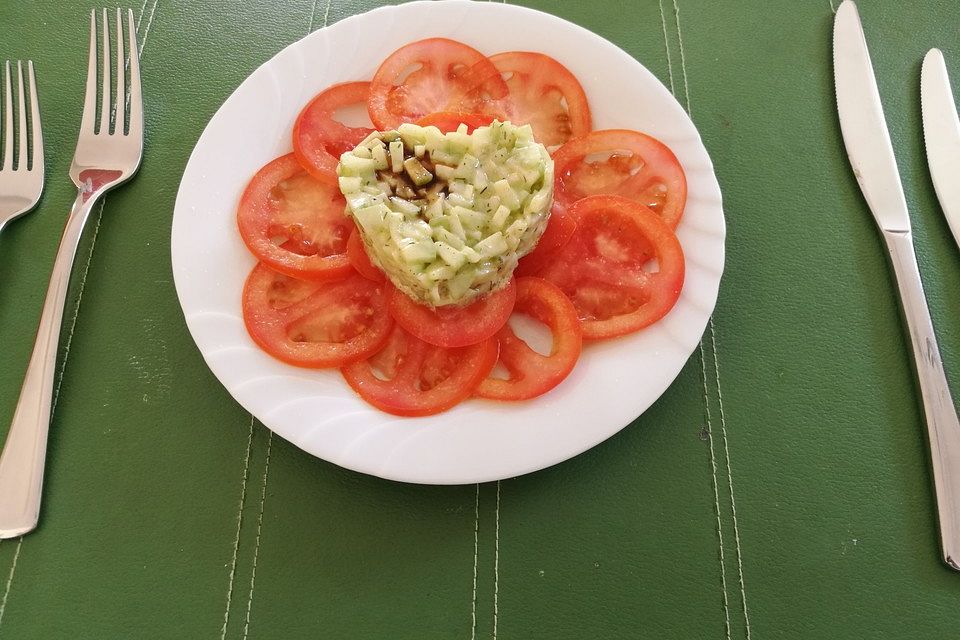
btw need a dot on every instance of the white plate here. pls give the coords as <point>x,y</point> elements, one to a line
<point>612,384</point>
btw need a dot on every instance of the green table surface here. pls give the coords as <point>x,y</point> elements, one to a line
<point>779,489</point>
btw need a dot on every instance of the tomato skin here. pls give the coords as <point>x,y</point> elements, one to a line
<point>545,95</point>
<point>315,222</point>
<point>451,77</point>
<point>560,228</point>
<point>648,172</point>
<point>603,267</point>
<point>448,121</point>
<point>422,379</point>
<point>318,139</point>
<point>453,326</point>
<point>532,374</point>
<point>297,321</point>
<point>358,257</point>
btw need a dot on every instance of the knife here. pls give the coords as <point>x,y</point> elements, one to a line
<point>871,156</point>
<point>941,133</point>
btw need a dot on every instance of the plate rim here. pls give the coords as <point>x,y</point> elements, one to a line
<point>714,196</point>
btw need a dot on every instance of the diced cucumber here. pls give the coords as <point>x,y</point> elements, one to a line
<point>350,184</point>
<point>403,206</point>
<point>499,217</point>
<point>396,156</point>
<point>379,156</point>
<point>454,258</point>
<point>443,171</point>
<point>417,172</point>
<point>448,216</point>
<point>354,165</point>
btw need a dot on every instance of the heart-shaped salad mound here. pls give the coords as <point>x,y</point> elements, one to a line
<point>448,215</point>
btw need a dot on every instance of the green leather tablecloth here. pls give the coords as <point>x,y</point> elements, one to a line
<point>779,489</point>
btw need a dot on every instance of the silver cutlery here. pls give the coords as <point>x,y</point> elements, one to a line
<point>105,157</point>
<point>871,156</point>
<point>22,182</point>
<point>941,133</point>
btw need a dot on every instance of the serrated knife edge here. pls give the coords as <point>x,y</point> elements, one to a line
<point>941,135</point>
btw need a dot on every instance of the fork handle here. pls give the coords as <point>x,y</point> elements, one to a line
<point>22,461</point>
<point>943,426</point>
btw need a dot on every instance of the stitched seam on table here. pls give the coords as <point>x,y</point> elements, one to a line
<point>683,58</point>
<point>146,31</point>
<point>326,13</point>
<point>256,546</point>
<point>706,394</point>
<point>716,490</point>
<point>76,311</point>
<point>313,13</point>
<point>13,570</point>
<point>666,46</point>
<point>716,365</point>
<point>476,553</point>
<point>496,567</point>
<point>236,540</point>
<point>733,502</point>
<point>140,16</point>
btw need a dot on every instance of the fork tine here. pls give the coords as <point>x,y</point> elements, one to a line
<point>136,100</point>
<point>36,156</point>
<point>7,120</point>
<point>105,90</point>
<point>22,107</point>
<point>120,107</point>
<point>90,98</point>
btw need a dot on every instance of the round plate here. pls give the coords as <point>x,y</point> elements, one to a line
<point>477,441</point>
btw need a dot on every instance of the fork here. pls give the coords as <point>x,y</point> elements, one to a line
<point>104,158</point>
<point>20,186</point>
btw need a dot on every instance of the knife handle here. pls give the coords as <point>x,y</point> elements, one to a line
<point>943,426</point>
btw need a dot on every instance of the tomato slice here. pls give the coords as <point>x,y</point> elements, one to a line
<point>409,377</point>
<point>447,76</point>
<point>358,257</point>
<point>560,228</point>
<point>623,163</point>
<point>532,374</point>
<point>448,121</point>
<point>545,95</point>
<point>607,268</point>
<point>452,326</point>
<point>315,324</point>
<point>294,222</point>
<point>319,139</point>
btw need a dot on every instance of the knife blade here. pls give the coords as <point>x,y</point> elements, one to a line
<point>941,134</point>
<point>863,125</point>
<point>871,156</point>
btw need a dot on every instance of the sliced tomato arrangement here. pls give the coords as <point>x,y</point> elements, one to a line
<point>294,222</point>
<point>559,230</point>
<point>409,377</point>
<point>454,326</point>
<point>433,75</point>
<point>545,95</point>
<point>357,255</point>
<point>623,163</point>
<point>532,374</point>
<point>319,139</point>
<point>607,264</point>
<point>315,324</point>
<point>623,269</point>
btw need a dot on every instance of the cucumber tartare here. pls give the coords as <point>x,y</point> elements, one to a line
<point>447,216</point>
